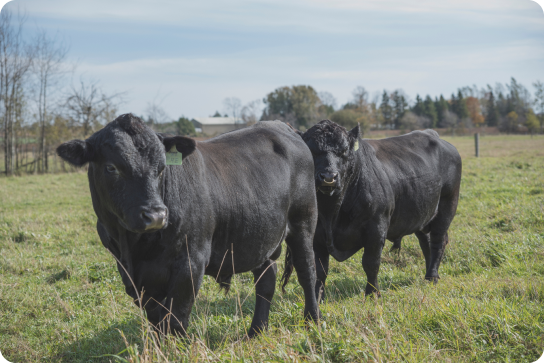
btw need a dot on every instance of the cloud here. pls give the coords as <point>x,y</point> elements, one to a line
<point>321,16</point>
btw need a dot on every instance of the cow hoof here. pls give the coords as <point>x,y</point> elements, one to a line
<point>253,332</point>
<point>373,293</point>
<point>433,279</point>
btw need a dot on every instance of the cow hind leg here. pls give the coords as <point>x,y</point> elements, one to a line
<point>439,234</point>
<point>265,285</point>
<point>396,245</point>
<point>300,241</point>
<point>425,244</point>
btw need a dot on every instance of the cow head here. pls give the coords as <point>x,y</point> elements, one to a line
<point>126,163</point>
<point>332,147</point>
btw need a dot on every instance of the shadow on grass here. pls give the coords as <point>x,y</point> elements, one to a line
<point>106,341</point>
<point>350,286</point>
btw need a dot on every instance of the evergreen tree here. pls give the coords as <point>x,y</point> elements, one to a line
<point>399,107</point>
<point>419,108</point>
<point>502,105</point>
<point>430,111</point>
<point>441,105</point>
<point>492,116</point>
<point>453,104</point>
<point>387,110</point>
<point>461,105</point>
<point>185,127</point>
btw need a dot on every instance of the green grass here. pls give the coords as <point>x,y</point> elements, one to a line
<point>62,300</point>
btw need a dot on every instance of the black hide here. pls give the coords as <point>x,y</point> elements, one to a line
<point>225,210</point>
<point>386,189</point>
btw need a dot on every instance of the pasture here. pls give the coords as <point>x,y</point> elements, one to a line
<point>62,299</point>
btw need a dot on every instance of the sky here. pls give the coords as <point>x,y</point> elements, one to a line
<point>188,56</point>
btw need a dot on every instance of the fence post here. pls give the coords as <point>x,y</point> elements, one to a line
<point>477,144</point>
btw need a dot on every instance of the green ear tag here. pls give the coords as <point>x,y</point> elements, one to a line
<point>356,146</point>
<point>173,157</point>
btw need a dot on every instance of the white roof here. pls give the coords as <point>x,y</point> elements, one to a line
<point>219,120</point>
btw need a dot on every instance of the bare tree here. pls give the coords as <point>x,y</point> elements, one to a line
<point>15,62</point>
<point>539,102</point>
<point>49,67</point>
<point>360,97</point>
<point>156,114</point>
<point>450,120</point>
<point>232,106</point>
<point>410,121</point>
<point>89,107</point>
<point>327,99</point>
<point>250,112</point>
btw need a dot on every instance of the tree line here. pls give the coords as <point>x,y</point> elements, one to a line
<point>510,107</point>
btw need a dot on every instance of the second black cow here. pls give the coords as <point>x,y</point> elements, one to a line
<point>372,190</point>
<point>224,210</point>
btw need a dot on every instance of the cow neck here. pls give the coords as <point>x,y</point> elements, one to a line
<point>125,254</point>
<point>329,208</point>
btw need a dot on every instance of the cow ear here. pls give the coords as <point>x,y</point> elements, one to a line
<point>354,133</point>
<point>185,145</point>
<point>300,133</point>
<point>76,152</point>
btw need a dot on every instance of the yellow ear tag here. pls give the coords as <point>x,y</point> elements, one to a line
<point>356,146</point>
<point>173,157</point>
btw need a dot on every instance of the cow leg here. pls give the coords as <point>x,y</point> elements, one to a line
<point>152,309</point>
<point>425,244</point>
<point>300,242</point>
<point>439,233</point>
<point>184,287</point>
<point>438,245</point>
<point>265,285</point>
<point>322,270</point>
<point>396,245</point>
<point>372,256</point>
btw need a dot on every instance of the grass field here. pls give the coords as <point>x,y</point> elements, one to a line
<point>62,300</point>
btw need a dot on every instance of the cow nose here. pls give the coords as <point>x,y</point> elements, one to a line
<point>329,178</point>
<point>155,219</point>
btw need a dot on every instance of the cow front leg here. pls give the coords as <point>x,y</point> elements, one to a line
<point>372,256</point>
<point>184,287</point>
<point>264,278</point>
<point>322,270</point>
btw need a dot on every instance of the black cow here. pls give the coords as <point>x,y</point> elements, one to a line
<point>225,210</point>
<point>372,190</point>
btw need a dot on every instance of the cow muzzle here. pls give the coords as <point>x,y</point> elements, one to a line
<point>154,220</point>
<point>327,182</point>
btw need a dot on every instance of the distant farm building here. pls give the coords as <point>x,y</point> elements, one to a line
<point>212,126</point>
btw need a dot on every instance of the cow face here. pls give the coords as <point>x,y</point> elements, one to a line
<point>126,164</point>
<point>332,147</point>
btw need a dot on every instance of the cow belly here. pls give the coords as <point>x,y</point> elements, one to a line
<point>348,237</point>
<point>411,214</point>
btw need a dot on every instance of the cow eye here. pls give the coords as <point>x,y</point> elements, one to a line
<point>111,169</point>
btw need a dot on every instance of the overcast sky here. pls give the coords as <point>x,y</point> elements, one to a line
<point>188,56</point>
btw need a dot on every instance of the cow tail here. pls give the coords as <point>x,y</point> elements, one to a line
<point>288,269</point>
<point>224,283</point>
